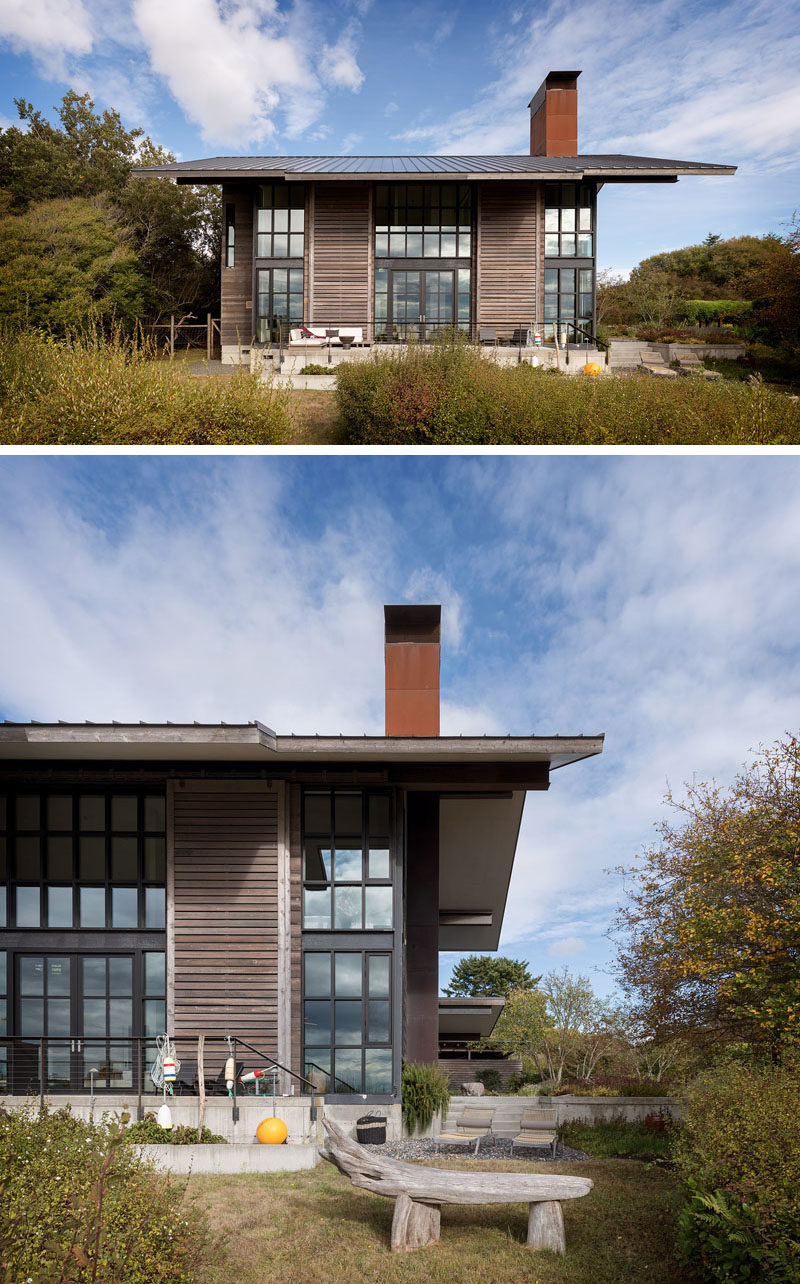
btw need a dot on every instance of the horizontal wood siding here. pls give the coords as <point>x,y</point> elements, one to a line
<point>236,326</point>
<point>459,1070</point>
<point>507,255</point>
<point>296,892</point>
<point>226,913</point>
<point>340,285</point>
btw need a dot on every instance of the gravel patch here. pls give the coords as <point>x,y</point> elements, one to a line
<point>495,1148</point>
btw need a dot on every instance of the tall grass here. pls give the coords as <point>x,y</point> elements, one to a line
<point>95,388</point>
<point>451,394</point>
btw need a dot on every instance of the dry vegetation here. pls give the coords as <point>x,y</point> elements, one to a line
<point>315,1228</point>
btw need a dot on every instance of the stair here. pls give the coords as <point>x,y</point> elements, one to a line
<point>626,354</point>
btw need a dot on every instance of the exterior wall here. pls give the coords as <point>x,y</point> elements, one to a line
<point>340,291</point>
<point>296,898</point>
<point>422,928</point>
<point>508,240</point>
<point>236,314</point>
<point>225,949</point>
<point>460,1070</point>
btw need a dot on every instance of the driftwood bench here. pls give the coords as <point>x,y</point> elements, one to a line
<point>419,1193</point>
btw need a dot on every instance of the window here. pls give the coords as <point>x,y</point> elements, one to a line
<point>280,221</point>
<point>84,859</point>
<point>347,870</point>
<point>568,221</point>
<point>280,302</point>
<point>568,295</point>
<point>423,220</point>
<point>347,1027</point>
<point>230,235</point>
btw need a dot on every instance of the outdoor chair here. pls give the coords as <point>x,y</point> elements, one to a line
<point>186,1080</point>
<point>691,363</point>
<point>537,1127</point>
<point>473,1124</point>
<point>654,364</point>
<point>487,336</point>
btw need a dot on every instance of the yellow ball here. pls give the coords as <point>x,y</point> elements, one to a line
<point>272,1131</point>
<point>592,368</point>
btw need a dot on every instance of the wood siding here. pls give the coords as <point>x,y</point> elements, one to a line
<point>341,287</point>
<point>226,912</point>
<point>237,324</point>
<point>459,1070</point>
<point>507,274</point>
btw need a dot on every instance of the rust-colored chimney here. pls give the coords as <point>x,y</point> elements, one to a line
<point>554,115</point>
<point>412,649</point>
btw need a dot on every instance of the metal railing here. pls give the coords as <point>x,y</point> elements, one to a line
<point>45,1065</point>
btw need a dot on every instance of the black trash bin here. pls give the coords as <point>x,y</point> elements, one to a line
<point>371,1130</point>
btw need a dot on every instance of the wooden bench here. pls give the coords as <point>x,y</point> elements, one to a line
<point>419,1193</point>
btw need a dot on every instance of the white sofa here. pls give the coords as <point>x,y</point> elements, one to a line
<point>314,336</point>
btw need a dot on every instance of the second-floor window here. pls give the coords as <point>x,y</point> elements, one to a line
<point>281,221</point>
<point>347,866</point>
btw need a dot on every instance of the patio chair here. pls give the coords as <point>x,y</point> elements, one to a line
<point>537,1127</point>
<point>218,1087</point>
<point>691,363</point>
<point>486,335</point>
<point>654,364</point>
<point>473,1124</point>
<point>186,1080</point>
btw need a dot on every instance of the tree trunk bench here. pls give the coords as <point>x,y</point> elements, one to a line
<point>419,1193</point>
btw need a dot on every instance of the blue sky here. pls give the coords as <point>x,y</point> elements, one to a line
<point>650,598</point>
<point>710,81</point>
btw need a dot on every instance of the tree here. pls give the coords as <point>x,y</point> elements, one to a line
<point>710,933</point>
<point>775,286</point>
<point>63,263</point>
<point>481,974</point>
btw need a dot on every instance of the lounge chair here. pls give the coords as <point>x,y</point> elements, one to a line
<point>487,336</point>
<point>691,363</point>
<point>654,364</point>
<point>537,1127</point>
<point>473,1124</point>
<point>186,1081</point>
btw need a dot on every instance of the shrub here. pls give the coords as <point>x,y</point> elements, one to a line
<point>77,1205</point>
<point>97,387</point>
<point>450,393</point>
<point>149,1131</point>
<point>739,1164</point>
<point>313,368</point>
<point>426,1089</point>
<point>491,1079</point>
<point>616,1138</point>
<point>706,311</point>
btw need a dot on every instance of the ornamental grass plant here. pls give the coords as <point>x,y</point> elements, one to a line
<point>77,1205</point>
<point>451,394</point>
<point>426,1089</point>
<point>99,387</point>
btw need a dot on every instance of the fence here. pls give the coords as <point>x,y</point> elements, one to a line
<point>187,333</point>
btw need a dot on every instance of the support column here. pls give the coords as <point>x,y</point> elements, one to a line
<point>422,927</point>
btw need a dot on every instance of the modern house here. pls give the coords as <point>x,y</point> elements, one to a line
<point>291,890</point>
<point>401,246</point>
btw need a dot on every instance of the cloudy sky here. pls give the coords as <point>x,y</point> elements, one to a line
<point>716,80</point>
<point>650,598</point>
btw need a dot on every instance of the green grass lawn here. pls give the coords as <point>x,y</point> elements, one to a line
<point>316,1228</point>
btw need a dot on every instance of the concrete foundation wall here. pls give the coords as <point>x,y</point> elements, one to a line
<point>592,1110</point>
<point>237,1158</point>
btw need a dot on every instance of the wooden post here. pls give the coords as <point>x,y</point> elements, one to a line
<point>209,337</point>
<point>414,1225</point>
<point>201,1085</point>
<point>172,337</point>
<point>546,1227</point>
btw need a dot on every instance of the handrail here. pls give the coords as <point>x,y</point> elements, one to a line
<point>600,343</point>
<point>274,1061</point>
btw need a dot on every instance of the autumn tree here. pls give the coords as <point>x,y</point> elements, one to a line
<point>709,937</point>
<point>481,975</point>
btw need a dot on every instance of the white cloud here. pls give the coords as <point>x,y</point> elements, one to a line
<point>339,65</point>
<point>41,26</point>
<point>568,946</point>
<point>226,67</point>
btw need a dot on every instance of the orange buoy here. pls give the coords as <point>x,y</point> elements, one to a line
<point>592,368</point>
<point>272,1131</point>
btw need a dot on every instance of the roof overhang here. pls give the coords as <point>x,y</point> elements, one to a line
<point>256,743</point>
<point>469,1018</point>
<point>477,846</point>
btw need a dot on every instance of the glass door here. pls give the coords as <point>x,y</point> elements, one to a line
<point>425,303</point>
<point>45,1007</point>
<point>105,1020</point>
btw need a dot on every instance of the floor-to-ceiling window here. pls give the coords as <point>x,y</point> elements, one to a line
<point>83,892</point>
<point>280,244</point>
<point>423,248</point>
<point>350,912</point>
<point>569,248</point>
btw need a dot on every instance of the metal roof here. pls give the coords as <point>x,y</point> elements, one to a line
<point>632,168</point>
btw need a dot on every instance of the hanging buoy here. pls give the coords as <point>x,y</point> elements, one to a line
<point>230,1073</point>
<point>272,1132</point>
<point>169,1070</point>
<point>164,1116</point>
